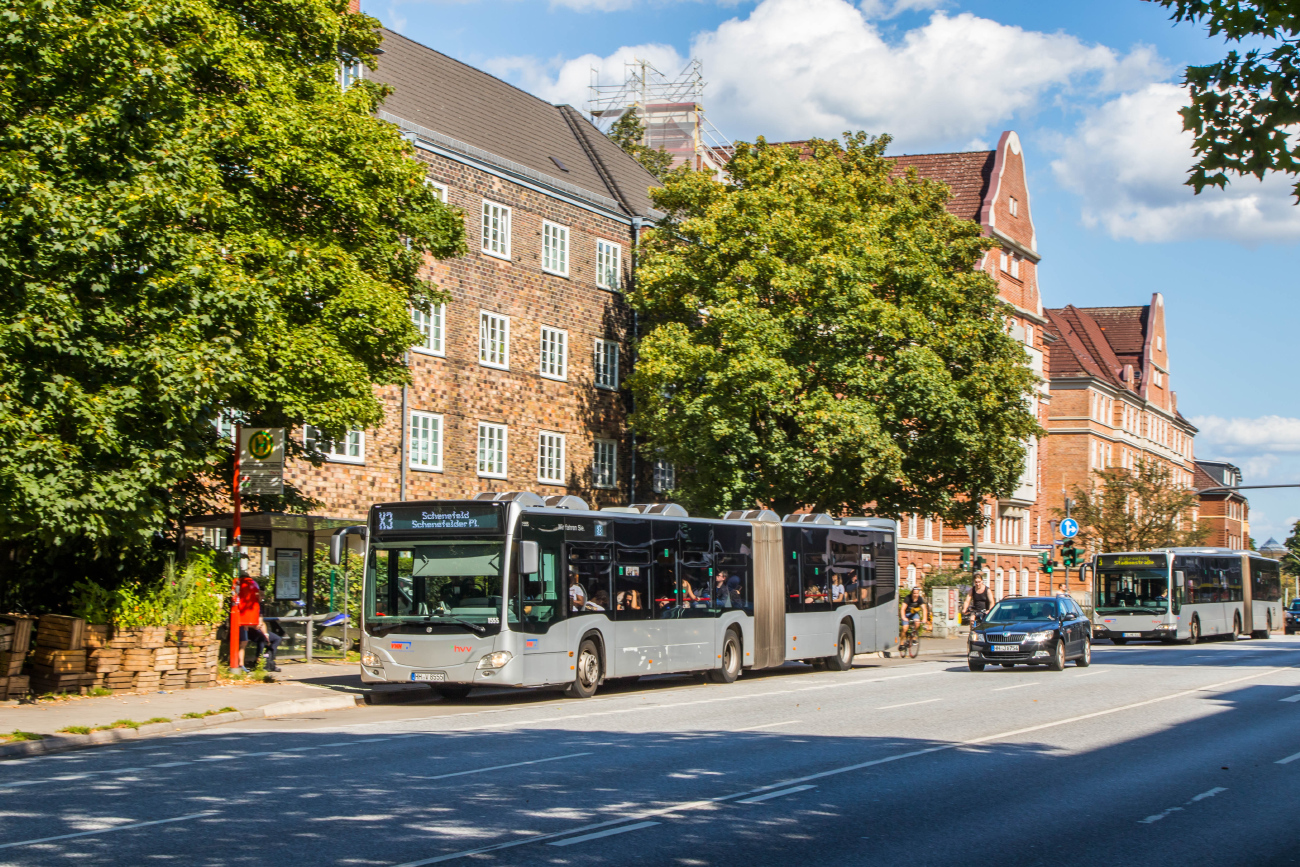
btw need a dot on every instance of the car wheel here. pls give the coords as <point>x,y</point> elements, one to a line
<point>1194,631</point>
<point>974,666</point>
<point>1086,659</point>
<point>1120,641</point>
<point>586,671</point>
<point>842,659</point>
<point>1058,656</point>
<point>730,669</point>
<point>453,693</point>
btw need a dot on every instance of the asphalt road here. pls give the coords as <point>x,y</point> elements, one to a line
<point>1153,755</point>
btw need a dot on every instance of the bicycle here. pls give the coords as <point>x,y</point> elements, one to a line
<point>910,643</point>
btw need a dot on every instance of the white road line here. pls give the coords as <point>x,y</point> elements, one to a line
<point>1210,794</point>
<point>1017,686</point>
<point>1288,760</point>
<point>705,802</point>
<point>909,703</point>
<point>500,767</point>
<point>766,726</point>
<point>1295,697</point>
<point>1090,673</point>
<point>107,830</point>
<point>759,798</point>
<point>1149,820</point>
<point>569,841</point>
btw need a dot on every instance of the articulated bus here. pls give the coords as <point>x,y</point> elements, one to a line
<point>513,590</point>
<point>1185,594</point>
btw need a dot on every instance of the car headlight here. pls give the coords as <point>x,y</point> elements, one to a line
<point>977,638</point>
<point>495,660</point>
<point>368,657</point>
<point>1040,636</point>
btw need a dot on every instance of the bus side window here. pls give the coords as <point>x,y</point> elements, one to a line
<point>790,550</point>
<point>663,580</point>
<point>1176,597</point>
<point>536,596</point>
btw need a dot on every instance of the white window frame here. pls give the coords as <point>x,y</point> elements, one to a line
<point>440,187</point>
<point>434,425</point>
<point>1004,262</point>
<point>911,526</point>
<point>602,450</point>
<point>605,375</point>
<point>487,433</point>
<point>501,359</point>
<point>929,528</point>
<point>664,478</point>
<point>351,71</point>
<point>429,324</point>
<point>495,241</point>
<point>555,235</point>
<point>1013,206</point>
<point>1015,266</point>
<point>312,434</point>
<point>553,342</point>
<point>911,575</point>
<point>609,274</point>
<point>550,458</point>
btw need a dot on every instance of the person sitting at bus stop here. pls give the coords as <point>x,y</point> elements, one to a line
<point>248,609</point>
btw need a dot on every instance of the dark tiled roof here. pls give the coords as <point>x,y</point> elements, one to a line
<point>449,97</point>
<point>1125,327</point>
<point>1084,347</point>
<point>966,174</point>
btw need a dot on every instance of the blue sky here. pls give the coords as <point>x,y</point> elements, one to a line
<point>1091,88</point>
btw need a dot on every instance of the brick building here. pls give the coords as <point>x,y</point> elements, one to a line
<point>1227,513</point>
<point>1113,403</point>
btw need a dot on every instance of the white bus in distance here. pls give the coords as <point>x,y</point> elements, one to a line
<point>1185,594</point>
<point>513,590</point>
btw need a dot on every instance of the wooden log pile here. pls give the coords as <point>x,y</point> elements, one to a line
<point>154,658</point>
<point>15,641</point>
<point>58,663</point>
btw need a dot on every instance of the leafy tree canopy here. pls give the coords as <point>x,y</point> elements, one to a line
<point>194,217</point>
<point>1291,561</point>
<point>1136,510</point>
<point>629,133</point>
<point>1244,108</point>
<point>814,333</point>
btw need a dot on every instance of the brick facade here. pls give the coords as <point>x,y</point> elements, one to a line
<point>1227,513</point>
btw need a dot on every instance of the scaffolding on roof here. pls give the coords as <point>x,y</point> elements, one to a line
<point>671,111</point>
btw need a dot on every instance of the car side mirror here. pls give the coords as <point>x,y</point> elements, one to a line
<point>528,556</point>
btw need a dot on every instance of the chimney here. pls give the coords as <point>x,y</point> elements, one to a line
<point>1128,375</point>
<point>354,6</point>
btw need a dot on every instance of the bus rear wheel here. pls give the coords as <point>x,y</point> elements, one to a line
<point>731,660</point>
<point>1236,628</point>
<point>1267,630</point>
<point>842,659</point>
<point>1194,631</point>
<point>586,670</point>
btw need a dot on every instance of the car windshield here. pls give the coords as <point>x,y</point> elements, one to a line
<point>1295,604</point>
<point>1132,591</point>
<point>441,586</point>
<point>1013,610</point>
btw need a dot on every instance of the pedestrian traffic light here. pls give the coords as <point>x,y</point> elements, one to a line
<point>979,564</point>
<point>965,559</point>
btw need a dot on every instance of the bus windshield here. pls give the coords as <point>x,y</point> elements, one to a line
<point>1132,591</point>
<point>437,586</point>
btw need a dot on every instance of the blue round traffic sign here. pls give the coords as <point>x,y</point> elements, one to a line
<point>1069,528</point>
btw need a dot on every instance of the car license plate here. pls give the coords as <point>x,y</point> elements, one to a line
<point>1132,635</point>
<point>429,676</point>
<point>1005,647</point>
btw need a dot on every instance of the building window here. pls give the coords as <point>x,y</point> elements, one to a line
<point>1157,379</point>
<point>604,464</point>
<point>440,190</point>
<point>606,365</point>
<point>496,230</point>
<point>550,458</point>
<point>430,326</point>
<point>1013,206</point>
<point>349,450</point>
<point>929,528</point>
<point>425,442</point>
<point>988,524</point>
<point>225,424</point>
<point>1005,263</point>
<point>555,353</point>
<point>1029,335</point>
<point>1015,267</point>
<point>350,72</point>
<point>555,249</point>
<point>911,576</point>
<point>493,340</point>
<point>608,264</point>
<point>491,450</point>
<point>665,477</point>
<point>911,526</point>
<point>216,537</point>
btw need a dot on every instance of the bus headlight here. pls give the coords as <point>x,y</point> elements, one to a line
<point>495,660</point>
<point>369,658</point>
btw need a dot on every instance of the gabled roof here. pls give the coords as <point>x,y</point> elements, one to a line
<point>1088,346</point>
<point>1125,327</point>
<point>456,100</point>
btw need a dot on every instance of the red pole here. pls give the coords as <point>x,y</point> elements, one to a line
<point>235,662</point>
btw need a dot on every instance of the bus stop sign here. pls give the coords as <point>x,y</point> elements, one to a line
<point>1069,528</point>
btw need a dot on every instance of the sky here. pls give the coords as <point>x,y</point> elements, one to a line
<point>1092,89</point>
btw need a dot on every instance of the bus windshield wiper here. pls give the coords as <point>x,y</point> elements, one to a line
<point>437,618</point>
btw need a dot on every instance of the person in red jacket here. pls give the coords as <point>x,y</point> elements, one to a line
<point>248,610</point>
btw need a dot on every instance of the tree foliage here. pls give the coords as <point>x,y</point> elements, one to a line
<point>814,333</point>
<point>194,217</point>
<point>1136,510</point>
<point>629,133</point>
<point>1291,561</point>
<point>1244,108</point>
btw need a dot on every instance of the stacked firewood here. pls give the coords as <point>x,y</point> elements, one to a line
<point>15,640</point>
<point>58,662</point>
<point>151,659</point>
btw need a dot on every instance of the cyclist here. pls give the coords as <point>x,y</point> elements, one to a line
<point>978,601</point>
<point>915,609</point>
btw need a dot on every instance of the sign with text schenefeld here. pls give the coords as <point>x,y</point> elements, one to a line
<point>464,517</point>
<point>261,460</point>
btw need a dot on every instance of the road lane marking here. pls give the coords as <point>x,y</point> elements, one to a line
<point>1017,686</point>
<point>1295,697</point>
<point>766,726</point>
<point>1090,673</point>
<point>107,830</point>
<point>1210,794</point>
<point>569,841</point>
<point>1149,820</point>
<point>760,798</point>
<point>909,703</point>
<point>499,767</point>
<point>1288,760</point>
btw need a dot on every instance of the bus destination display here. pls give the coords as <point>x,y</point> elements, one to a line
<point>1140,561</point>
<point>439,517</point>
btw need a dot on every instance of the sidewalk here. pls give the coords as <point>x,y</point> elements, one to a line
<point>299,688</point>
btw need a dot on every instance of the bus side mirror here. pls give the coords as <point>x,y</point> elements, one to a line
<point>336,549</point>
<point>528,552</point>
<point>1178,579</point>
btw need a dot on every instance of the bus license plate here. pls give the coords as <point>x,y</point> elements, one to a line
<point>429,676</point>
<point>1005,647</point>
<point>1132,635</point>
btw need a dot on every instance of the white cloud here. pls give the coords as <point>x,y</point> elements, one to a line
<point>566,81</point>
<point>1129,159</point>
<point>1267,434</point>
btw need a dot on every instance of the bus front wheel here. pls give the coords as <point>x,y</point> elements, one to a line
<point>731,660</point>
<point>1194,631</point>
<point>842,659</point>
<point>586,671</point>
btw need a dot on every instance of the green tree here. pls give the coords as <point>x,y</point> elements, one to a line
<point>196,217</point>
<point>1244,108</point>
<point>1291,560</point>
<point>1136,510</point>
<point>629,133</point>
<point>814,333</point>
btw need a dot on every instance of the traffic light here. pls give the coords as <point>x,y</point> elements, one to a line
<point>1069,556</point>
<point>1043,558</point>
<point>979,564</point>
<point>965,559</point>
<point>1049,567</point>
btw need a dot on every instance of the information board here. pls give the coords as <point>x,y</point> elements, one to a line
<point>1137,561</point>
<point>463,517</point>
<point>288,573</point>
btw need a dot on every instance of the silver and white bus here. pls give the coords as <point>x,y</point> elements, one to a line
<point>1185,594</point>
<point>513,590</point>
